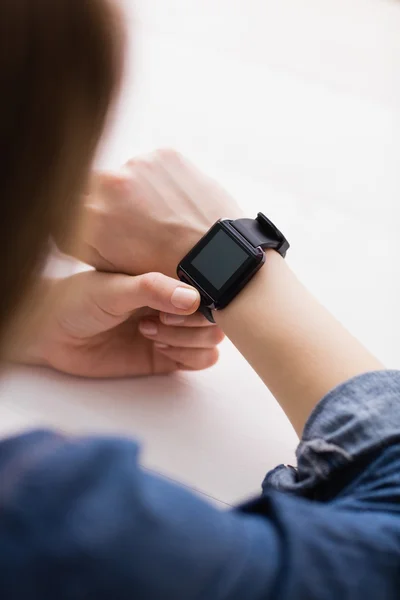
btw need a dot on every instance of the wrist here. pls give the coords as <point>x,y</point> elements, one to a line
<point>223,262</point>
<point>269,287</point>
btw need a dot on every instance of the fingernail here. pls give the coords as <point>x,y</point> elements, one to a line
<point>173,319</point>
<point>161,346</point>
<point>184,298</point>
<point>148,328</point>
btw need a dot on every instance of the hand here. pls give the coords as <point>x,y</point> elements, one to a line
<point>93,325</point>
<point>148,216</point>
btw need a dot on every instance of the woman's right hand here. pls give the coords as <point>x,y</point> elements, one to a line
<point>149,215</point>
<point>110,325</point>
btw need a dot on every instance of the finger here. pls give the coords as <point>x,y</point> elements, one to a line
<point>107,182</point>
<point>108,299</point>
<point>120,295</point>
<point>195,320</point>
<point>190,359</point>
<point>185,337</point>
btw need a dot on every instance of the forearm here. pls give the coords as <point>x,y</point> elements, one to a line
<point>294,344</point>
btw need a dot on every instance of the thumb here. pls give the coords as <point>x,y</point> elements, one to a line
<point>119,295</point>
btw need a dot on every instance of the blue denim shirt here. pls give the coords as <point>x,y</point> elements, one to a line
<point>80,520</point>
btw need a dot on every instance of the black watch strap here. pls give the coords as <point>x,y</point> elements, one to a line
<point>259,232</point>
<point>262,232</point>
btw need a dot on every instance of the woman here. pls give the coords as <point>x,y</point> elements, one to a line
<point>78,517</point>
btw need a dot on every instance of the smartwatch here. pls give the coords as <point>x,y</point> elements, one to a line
<point>227,257</point>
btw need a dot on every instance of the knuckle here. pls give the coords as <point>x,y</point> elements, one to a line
<point>219,335</point>
<point>168,154</point>
<point>116,182</point>
<point>179,356</point>
<point>132,163</point>
<point>141,164</point>
<point>150,283</point>
<point>212,336</point>
<point>210,358</point>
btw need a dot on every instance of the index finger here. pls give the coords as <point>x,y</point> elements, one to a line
<point>195,320</point>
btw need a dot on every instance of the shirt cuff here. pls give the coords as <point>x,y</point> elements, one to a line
<point>355,419</point>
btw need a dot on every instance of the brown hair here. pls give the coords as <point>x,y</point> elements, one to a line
<point>60,63</point>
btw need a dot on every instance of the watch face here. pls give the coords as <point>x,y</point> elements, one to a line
<point>220,264</point>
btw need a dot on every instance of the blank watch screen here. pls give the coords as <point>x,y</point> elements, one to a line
<point>220,259</point>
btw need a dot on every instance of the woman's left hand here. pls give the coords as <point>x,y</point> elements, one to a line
<point>99,325</point>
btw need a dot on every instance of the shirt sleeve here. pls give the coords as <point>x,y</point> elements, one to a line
<point>80,519</point>
<point>354,423</point>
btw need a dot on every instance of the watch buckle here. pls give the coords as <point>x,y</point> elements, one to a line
<point>264,221</point>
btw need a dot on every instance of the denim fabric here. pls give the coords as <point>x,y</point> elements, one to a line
<point>357,418</point>
<point>79,518</point>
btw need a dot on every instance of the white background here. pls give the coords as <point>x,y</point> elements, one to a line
<point>294,105</point>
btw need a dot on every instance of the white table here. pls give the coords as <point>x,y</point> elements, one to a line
<point>294,107</point>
